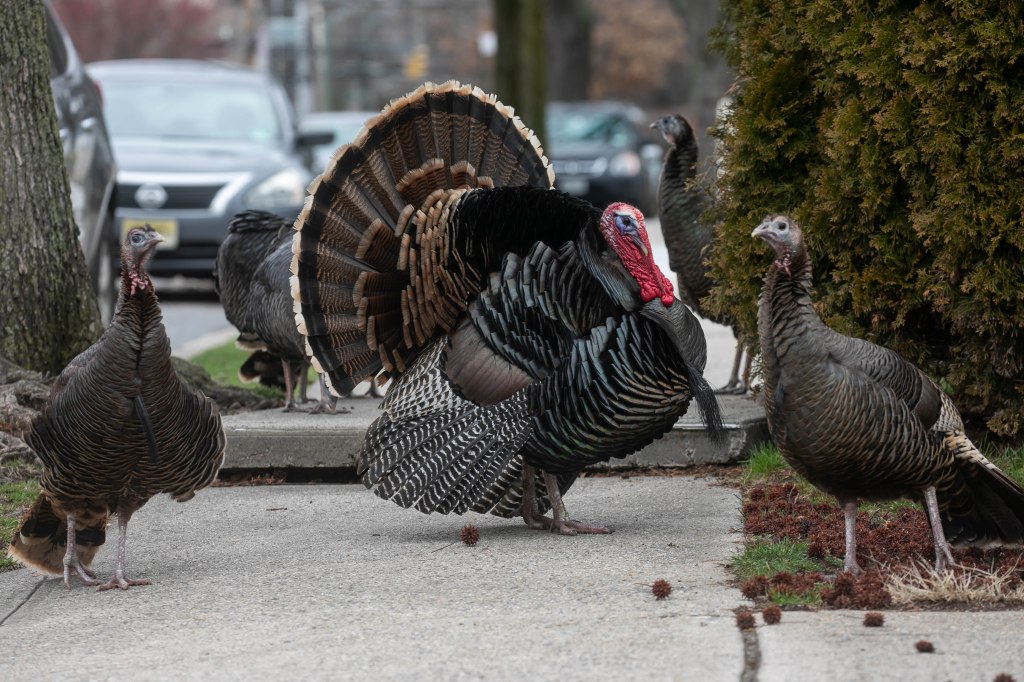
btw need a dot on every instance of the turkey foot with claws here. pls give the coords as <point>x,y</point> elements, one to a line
<point>530,510</point>
<point>73,565</point>
<point>561,523</point>
<point>119,580</point>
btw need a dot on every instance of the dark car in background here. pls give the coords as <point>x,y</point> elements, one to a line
<point>602,151</point>
<point>197,142</point>
<point>342,125</point>
<point>89,159</point>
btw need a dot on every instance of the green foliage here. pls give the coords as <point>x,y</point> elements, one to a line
<point>14,498</point>
<point>771,557</point>
<point>1011,461</point>
<point>893,133</point>
<point>764,462</point>
<point>791,600</point>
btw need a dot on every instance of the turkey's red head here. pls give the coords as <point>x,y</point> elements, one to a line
<point>622,227</point>
<point>139,244</point>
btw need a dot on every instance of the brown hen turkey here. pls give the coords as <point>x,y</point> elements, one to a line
<point>689,239</point>
<point>530,332</point>
<point>120,427</point>
<point>860,422</point>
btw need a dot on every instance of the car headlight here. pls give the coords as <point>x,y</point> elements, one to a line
<point>282,189</point>
<point>625,164</point>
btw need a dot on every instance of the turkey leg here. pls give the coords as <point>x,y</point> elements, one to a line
<point>328,401</point>
<point>850,515</point>
<point>529,508</point>
<point>72,562</point>
<point>119,580</point>
<point>303,382</point>
<point>562,524</point>
<point>735,386</point>
<point>943,557</point>
<point>289,385</point>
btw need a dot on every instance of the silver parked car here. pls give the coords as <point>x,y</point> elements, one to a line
<point>89,160</point>
<point>342,125</point>
<point>196,143</point>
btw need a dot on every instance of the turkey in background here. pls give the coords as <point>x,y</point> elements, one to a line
<point>688,239</point>
<point>860,422</point>
<point>530,333</point>
<point>252,279</point>
<point>120,427</point>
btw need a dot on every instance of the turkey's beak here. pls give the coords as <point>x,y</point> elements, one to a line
<point>760,230</point>
<point>682,328</point>
<point>636,239</point>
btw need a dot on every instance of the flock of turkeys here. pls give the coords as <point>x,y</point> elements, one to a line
<point>527,334</point>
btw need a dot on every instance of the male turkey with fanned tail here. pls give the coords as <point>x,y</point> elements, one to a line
<point>120,428</point>
<point>688,239</point>
<point>530,333</point>
<point>860,422</point>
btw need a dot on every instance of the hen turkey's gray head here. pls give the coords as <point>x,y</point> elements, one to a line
<point>623,229</point>
<point>673,128</point>
<point>784,236</point>
<point>138,246</point>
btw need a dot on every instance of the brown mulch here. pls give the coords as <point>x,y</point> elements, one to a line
<point>890,542</point>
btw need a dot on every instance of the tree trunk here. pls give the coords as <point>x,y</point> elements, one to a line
<point>520,62</point>
<point>709,74</point>
<point>48,313</point>
<point>568,42</point>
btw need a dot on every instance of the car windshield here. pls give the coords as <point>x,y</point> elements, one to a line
<point>179,110</point>
<point>568,126</point>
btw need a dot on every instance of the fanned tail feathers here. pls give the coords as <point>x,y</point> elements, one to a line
<point>370,255</point>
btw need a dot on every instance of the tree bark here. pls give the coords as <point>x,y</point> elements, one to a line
<point>568,42</point>
<point>709,75</point>
<point>48,312</point>
<point>520,62</point>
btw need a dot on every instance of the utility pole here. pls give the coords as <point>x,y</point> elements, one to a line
<point>521,71</point>
<point>303,70</point>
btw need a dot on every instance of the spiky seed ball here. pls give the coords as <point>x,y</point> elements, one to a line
<point>771,614</point>
<point>745,619</point>
<point>755,587</point>
<point>661,589</point>
<point>873,619</point>
<point>469,534</point>
<point>925,647</point>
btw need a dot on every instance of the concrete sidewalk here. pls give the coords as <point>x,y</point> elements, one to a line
<point>329,582</point>
<point>270,439</point>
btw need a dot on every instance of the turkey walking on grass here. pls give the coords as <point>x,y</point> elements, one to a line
<point>688,238</point>
<point>120,427</point>
<point>860,422</point>
<point>528,330</point>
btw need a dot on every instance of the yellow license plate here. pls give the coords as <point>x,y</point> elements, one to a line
<point>168,229</point>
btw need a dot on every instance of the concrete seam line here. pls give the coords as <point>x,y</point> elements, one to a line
<point>751,654</point>
<point>23,601</point>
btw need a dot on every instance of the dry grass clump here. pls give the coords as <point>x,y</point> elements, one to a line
<point>918,583</point>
